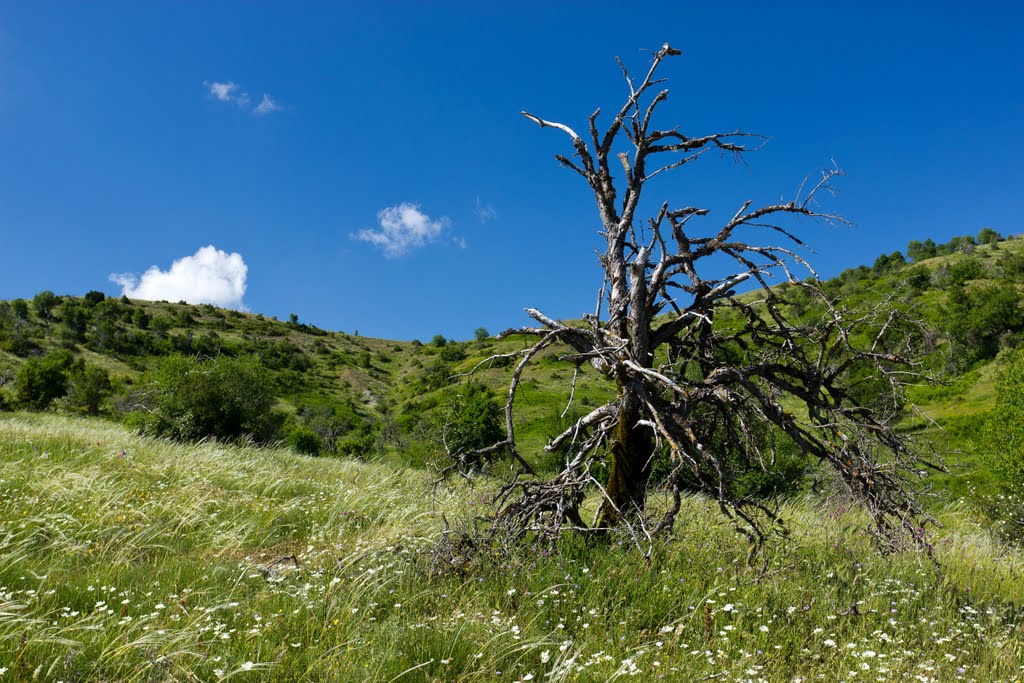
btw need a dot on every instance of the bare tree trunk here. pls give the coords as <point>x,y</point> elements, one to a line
<point>631,453</point>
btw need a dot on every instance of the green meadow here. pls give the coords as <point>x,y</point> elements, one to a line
<point>126,558</point>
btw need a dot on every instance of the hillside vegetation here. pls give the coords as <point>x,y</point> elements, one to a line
<point>337,393</point>
<point>302,542</point>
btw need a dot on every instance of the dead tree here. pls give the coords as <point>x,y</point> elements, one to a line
<point>703,376</point>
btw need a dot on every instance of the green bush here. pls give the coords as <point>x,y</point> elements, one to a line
<point>44,302</point>
<point>305,440</point>
<point>1005,429</point>
<point>88,386</point>
<point>979,319</point>
<point>356,446</point>
<point>470,420</point>
<point>188,398</point>
<point>1003,440</point>
<point>41,380</point>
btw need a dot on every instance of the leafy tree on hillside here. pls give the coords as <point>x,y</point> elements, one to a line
<point>88,386</point>
<point>189,398</point>
<point>1011,266</point>
<point>44,302</point>
<point>989,236</point>
<point>469,422</point>
<point>74,318</point>
<point>962,244</point>
<point>979,320</point>
<point>41,380</point>
<point>699,371</point>
<point>960,272</point>
<point>919,251</point>
<point>887,262</point>
<point>1004,442</point>
<point>141,319</point>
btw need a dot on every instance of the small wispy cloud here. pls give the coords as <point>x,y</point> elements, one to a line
<point>228,92</point>
<point>232,93</point>
<point>267,105</point>
<point>485,212</point>
<point>401,228</point>
<point>222,91</point>
<point>210,276</point>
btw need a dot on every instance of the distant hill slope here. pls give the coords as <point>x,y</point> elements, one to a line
<point>381,396</point>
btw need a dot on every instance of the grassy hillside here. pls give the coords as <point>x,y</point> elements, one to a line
<point>124,558</point>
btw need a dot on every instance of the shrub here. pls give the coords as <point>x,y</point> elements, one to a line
<point>87,387</point>
<point>305,440</point>
<point>470,420</point>
<point>919,251</point>
<point>44,302</point>
<point>1003,438</point>
<point>188,398</point>
<point>41,380</point>
<point>453,352</point>
<point>989,236</point>
<point>977,320</point>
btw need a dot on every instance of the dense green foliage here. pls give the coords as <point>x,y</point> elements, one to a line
<point>41,380</point>
<point>1003,440</point>
<point>189,398</point>
<point>470,420</point>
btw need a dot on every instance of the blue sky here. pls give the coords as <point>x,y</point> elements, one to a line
<point>387,183</point>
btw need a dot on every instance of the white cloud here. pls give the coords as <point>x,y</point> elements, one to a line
<point>267,105</point>
<point>232,93</point>
<point>210,276</point>
<point>228,92</point>
<point>222,91</point>
<point>485,212</point>
<point>402,228</point>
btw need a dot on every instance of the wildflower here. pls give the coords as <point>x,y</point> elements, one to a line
<point>728,608</point>
<point>545,656</point>
<point>830,643</point>
<point>247,666</point>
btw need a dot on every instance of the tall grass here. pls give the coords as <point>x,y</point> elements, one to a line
<point>129,559</point>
